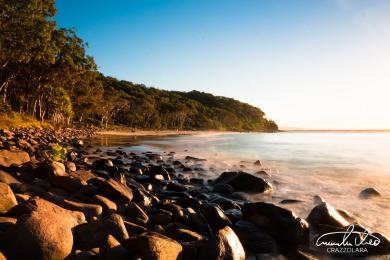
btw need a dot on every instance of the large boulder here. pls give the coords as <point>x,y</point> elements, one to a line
<point>254,239</point>
<point>115,191</point>
<point>215,216</point>
<point>324,217</point>
<point>153,246</point>
<point>280,223</point>
<point>7,198</point>
<point>8,158</point>
<point>224,245</point>
<point>94,234</point>
<point>43,231</point>
<point>242,181</point>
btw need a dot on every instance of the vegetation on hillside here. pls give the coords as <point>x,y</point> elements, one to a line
<point>46,74</point>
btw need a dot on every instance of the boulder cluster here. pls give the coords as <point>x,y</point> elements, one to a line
<point>121,205</point>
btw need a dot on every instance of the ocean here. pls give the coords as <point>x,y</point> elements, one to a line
<point>333,165</point>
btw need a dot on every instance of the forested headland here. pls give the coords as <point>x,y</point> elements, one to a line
<point>45,73</point>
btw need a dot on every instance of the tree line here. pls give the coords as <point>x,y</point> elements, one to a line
<point>46,73</point>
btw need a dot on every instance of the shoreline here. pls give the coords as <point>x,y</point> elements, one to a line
<point>146,204</point>
<point>161,132</point>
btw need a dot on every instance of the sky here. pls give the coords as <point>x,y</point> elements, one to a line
<point>321,64</point>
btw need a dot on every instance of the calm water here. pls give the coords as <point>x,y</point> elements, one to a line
<point>336,166</point>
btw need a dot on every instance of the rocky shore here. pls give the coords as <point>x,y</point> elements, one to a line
<point>59,200</point>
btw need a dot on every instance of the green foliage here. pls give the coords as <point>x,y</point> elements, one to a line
<point>57,153</point>
<point>137,106</point>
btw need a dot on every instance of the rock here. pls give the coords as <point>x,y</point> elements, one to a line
<point>134,229</point>
<point>94,234</point>
<point>234,215</point>
<point>290,201</point>
<point>190,158</point>
<point>6,223</point>
<point>369,193</point>
<point>58,169</point>
<point>43,231</point>
<point>324,217</point>
<point>153,246</point>
<point>215,216</point>
<point>223,188</point>
<point>90,210</point>
<point>198,222</point>
<point>242,181</point>
<point>159,216</point>
<point>254,238</point>
<point>115,191</point>
<point>8,178</point>
<point>67,183</point>
<point>224,245</point>
<point>184,235</point>
<point>112,249</point>
<point>108,205</point>
<point>7,198</point>
<point>280,223</point>
<point>258,163</point>
<point>71,166</point>
<point>22,197</point>
<point>8,158</point>
<point>105,165</point>
<point>136,214</point>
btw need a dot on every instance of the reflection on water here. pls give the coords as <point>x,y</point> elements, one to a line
<point>336,166</point>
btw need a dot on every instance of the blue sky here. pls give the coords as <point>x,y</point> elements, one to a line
<point>307,64</point>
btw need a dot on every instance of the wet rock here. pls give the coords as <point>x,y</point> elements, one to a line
<point>290,201</point>
<point>190,158</point>
<point>115,191</point>
<point>224,245</point>
<point>43,231</point>
<point>223,188</point>
<point>243,181</point>
<point>104,165</point>
<point>8,158</point>
<point>136,214</point>
<point>198,222</point>
<point>369,193</point>
<point>223,202</point>
<point>151,245</point>
<point>234,215</point>
<point>159,171</point>
<point>258,163</point>
<point>176,187</point>
<point>254,238</point>
<point>215,216</point>
<point>7,198</point>
<point>280,223</point>
<point>93,234</point>
<point>197,181</point>
<point>324,217</point>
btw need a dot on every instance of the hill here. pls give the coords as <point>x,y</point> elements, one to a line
<point>138,106</point>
